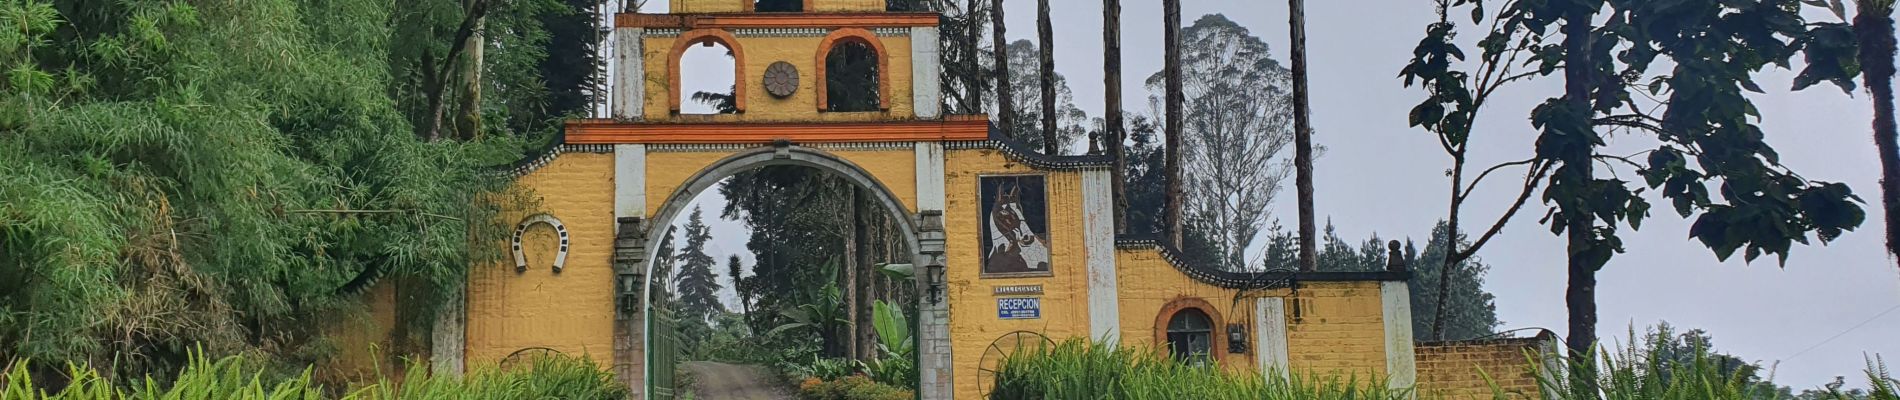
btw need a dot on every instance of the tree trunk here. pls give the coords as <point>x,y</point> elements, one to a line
<point>1045,38</point>
<point>1444,282</point>
<point>1112,93</point>
<point>852,250</point>
<point>432,93</point>
<point>435,72</point>
<point>972,79</point>
<point>469,123</point>
<point>1874,28</point>
<point>1580,297</point>
<point>1303,139</point>
<point>1171,73</point>
<point>1005,106</point>
<point>866,332</point>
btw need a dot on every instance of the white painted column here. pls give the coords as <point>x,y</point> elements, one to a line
<point>1270,349</point>
<point>630,178</point>
<point>934,366</point>
<point>630,201</point>
<point>930,176</point>
<point>1401,361</point>
<point>629,73</point>
<point>1098,233</point>
<point>925,68</point>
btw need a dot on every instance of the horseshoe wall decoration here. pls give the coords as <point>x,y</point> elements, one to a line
<point>560,256</point>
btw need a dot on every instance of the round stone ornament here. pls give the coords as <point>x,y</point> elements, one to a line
<point>781,79</point>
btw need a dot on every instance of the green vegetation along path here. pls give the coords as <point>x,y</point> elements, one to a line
<point>716,380</point>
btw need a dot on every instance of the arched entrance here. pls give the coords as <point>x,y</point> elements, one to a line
<point>921,232</point>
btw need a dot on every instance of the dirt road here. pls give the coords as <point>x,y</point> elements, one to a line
<point>721,381</point>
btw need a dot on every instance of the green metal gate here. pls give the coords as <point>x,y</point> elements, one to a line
<point>662,354</point>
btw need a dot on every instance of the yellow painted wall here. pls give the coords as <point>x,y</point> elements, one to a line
<point>707,6</point>
<point>666,171</point>
<point>1338,329</point>
<point>731,6</point>
<point>847,5</point>
<point>802,106</point>
<point>1147,283</point>
<point>973,321</point>
<point>571,312</point>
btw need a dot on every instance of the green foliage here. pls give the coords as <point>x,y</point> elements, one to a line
<point>896,363</point>
<point>856,387</point>
<point>1076,369</point>
<point>825,316</point>
<point>243,378</point>
<point>175,173</point>
<point>825,368</point>
<point>1670,366</point>
<point>698,285</point>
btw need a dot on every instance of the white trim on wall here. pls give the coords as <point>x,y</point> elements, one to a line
<point>630,180</point>
<point>1401,362</point>
<point>1098,224</point>
<point>930,195</point>
<point>1270,349</point>
<point>925,86</point>
<point>629,75</point>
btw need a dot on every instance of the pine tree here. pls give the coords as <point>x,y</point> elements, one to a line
<point>698,285</point>
<point>735,269</point>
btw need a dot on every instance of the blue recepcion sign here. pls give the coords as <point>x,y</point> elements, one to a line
<point>1019,308</point>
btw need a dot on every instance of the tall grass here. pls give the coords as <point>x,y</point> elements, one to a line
<point>1654,373</point>
<point>238,378</point>
<point>1077,369</point>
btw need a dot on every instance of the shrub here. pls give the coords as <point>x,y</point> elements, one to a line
<point>1076,369</point>
<point>240,378</point>
<point>855,387</point>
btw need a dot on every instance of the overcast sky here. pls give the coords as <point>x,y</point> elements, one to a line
<point>1381,176</point>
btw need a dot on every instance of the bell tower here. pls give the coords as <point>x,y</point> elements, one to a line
<point>794,61</point>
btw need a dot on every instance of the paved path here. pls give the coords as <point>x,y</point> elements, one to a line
<point>721,381</point>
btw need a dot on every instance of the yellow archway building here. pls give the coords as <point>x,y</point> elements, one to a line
<point>1009,260</point>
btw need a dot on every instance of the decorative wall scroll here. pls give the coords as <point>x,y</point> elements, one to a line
<point>1015,226</point>
<point>560,256</point>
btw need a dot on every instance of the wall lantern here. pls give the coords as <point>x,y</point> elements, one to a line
<point>935,273</point>
<point>1237,338</point>
<point>629,293</point>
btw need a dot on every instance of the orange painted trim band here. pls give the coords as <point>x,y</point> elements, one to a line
<point>775,20</point>
<point>600,131</point>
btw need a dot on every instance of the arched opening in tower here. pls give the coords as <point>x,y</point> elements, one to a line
<point>851,77</point>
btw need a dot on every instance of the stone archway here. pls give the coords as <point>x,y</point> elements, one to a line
<point>922,232</point>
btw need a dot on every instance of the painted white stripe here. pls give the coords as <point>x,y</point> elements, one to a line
<point>1401,363</point>
<point>930,176</point>
<point>630,178</point>
<point>925,88</point>
<point>1098,224</point>
<point>630,77</point>
<point>1270,350</point>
